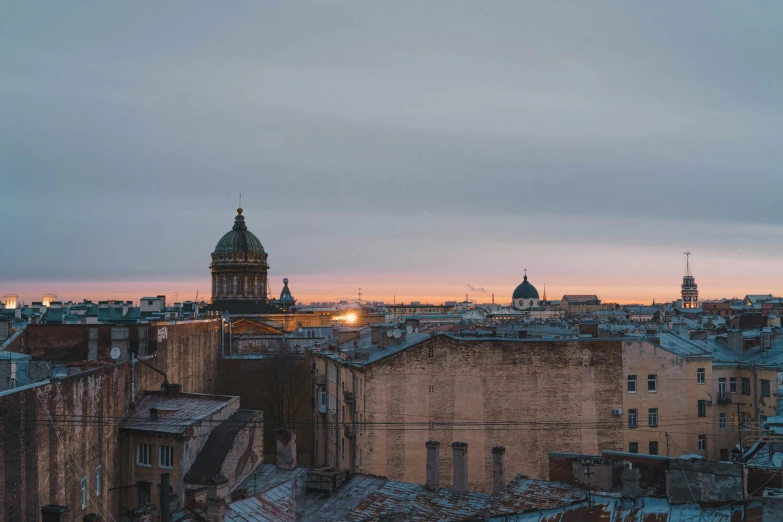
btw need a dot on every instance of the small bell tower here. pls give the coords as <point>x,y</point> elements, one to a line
<point>690,291</point>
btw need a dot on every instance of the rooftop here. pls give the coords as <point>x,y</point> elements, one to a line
<point>175,412</point>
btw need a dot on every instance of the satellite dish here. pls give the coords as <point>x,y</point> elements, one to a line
<point>416,330</point>
<point>300,330</point>
<point>397,333</point>
<point>115,353</point>
<point>389,333</point>
<point>401,320</point>
<point>409,329</point>
<point>777,459</point>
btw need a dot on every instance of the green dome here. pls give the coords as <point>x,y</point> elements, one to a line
<point>239,240</point>
<point>525,291</point>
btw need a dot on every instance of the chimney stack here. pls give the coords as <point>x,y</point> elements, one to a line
<point>497,469</point>
<point>433,465</point>
<point>286,449</point>
<point>216,509</point>
<point>459,478</point>
<point>734,339</point>
<point>171,389</point>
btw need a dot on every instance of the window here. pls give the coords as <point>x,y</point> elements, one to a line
<point>165,456</point>
<point>143,455</point>
<point>652,383</point>
<point>724,454</point>
<point>732,385</point>
<point>702,408</point>
<point>84,492</point>
<point>653,447</point>
<point>745,421</point>
<point>633,447</point>
<point>734,422</point>
<point>632,384</point>
<point>633,418</point>
<point>764,388</point>
<point>702,442</point>
<point>724,421</point>
<point>322,399</point>
<point>745,386</point>
<point>98,480</point>
<point>343,449</point>
<point>430,351</point>
<point>722,389</point>
<point>700,376</point>
<point>432,388</point>
<point>652,418</point>
<point>143,489</point>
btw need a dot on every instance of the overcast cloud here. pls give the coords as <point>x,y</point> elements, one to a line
<point>420,131</point>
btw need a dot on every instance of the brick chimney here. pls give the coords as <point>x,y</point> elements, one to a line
<point>172,390</point>
<point>433,465</point>
<point>216,509</point>
<point>497,469</point>
<point>286,449</point>
<point>629,479</point>
<point>460,470</point>
<point>735,340</point>
<point>55,513</point>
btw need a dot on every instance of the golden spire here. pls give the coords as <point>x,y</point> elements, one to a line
<point>239,209</point>
<point>544,292</point>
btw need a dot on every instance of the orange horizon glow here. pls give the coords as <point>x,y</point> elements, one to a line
<point>397,288</point>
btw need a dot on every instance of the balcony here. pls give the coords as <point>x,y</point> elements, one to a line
<point>349,397</point>
<point>320,379</point>
<point>724,398</point>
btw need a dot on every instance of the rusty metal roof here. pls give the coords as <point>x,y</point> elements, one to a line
<point>418,504</point>
<point>523,494</point>
<point>175,412</point>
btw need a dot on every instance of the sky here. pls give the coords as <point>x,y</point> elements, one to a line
<point>420,151</point>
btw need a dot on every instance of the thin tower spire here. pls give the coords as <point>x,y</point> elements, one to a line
<point>687,264</point>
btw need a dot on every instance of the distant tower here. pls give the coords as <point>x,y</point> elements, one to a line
<point>48,298</point>
<point>10,301</point>
<point>525,295</point>
<point>690,292</point>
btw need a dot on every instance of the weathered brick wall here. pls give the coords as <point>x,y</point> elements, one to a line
<point>188,354</point>
<point>35,340</point>
<point>558,396</point>
<point>52,435</point>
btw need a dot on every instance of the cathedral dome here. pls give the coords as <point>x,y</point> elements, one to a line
<point>239,240</point>
<point>525,291</point>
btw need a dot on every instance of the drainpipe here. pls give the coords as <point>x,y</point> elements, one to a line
<point>337,393</point>
<point>755,395</point>
<point>353,421</point>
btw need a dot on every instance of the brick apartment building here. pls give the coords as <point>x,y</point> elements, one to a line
<point>382,394</point>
